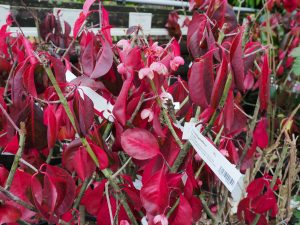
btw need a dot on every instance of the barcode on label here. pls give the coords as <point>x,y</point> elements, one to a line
<point>226,175</point>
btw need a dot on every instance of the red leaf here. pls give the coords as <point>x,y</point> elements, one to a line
<point>197,208</point>
<point>201,80</point>
<point>85,113</point>
<point>255,188</point>
<point>105,25</point>
<point>196,33</point>
<point>155,193</point>
<point>183,214</point>
<point>86,6</point>
<point>104,62</point>
<point>264,203</point>
<point>264,85</point>
<point>260,134</point>
<point>219,83</point>
<point>57,194</point>
<point>51,123</point>
<point>139,144</point>
<point>84,165</point>
<point>229,111</point>
<point>9,214</point>
<point>90,201</point>
<point>290,5</point>
<point>236,60</point>
<point>87,57</point>
<point>119,110</point>
<point>103,217</point>
<point>28,78</point>
<point>249,81</point>
<point>78,23</point>
<point>59,69</point>
<point>29,50</point>
<point>231,149</point>
<point>101,155</point>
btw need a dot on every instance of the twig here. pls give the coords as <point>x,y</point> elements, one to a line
<point>9,119</point>
<point>166,117</point>
<point>109,204</point>
<point>187,145</point>
<point>18,156</point>
<point>173,208</point>
<point>207,210</point>
<point>107,173</point>
<point>82,190</point>
<point>82,214</point>
<point>139,105</point>
<point>122,168</point>
<point>16,199</point>
<point>250,133</point>
<point>9,77</point>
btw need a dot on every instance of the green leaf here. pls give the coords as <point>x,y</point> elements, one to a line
<point>296,52</point>
<point>296,66</point>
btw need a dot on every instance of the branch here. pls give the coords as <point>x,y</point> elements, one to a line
<point>16,199</point>
<point>165,115</point>
<point>18,156</point>
<point>106,172</point>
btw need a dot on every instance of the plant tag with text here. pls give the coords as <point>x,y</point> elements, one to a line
<point>224,170</point>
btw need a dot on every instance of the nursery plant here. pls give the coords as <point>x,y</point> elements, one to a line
<point>105,133</point>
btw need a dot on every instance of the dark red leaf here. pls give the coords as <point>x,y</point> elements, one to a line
<point>219,83</point>
<point>85,113</point>
<point>57,194</point>
<point>51,123</point>
<point>155,193</point>
<point>28,79</point>
<point>87,57</point>
<point>264,203</point>
<point>119,110</point>
<point>83,165</point>
<point>260,134</point>
<point>103,217</point>
<point>104,62</point>
<point>229,111</point>
<point>264,85</point>
<point>236,60</point>
<point>249,81</point>
<point>201,80</point>
<point>290,5</point>
<point>197,208</point>
<point>92,197</point>
<point>139,143</point>
<point>183,214</point>
<point>255,188</point>
<point>196,33</point>
<point>101,155</point>
<point>59,69</point>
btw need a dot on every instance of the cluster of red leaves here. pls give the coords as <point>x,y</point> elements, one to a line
<point>134,75</point>
<point>260,200</point>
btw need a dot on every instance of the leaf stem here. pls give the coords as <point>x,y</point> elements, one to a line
<point>166,116</point>
<point>18,156</point>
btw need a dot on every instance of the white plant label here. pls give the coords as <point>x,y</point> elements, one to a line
<point>224,170</point>
<point>100,103</point>
<point>4,11</point>
<point>142,19</point>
